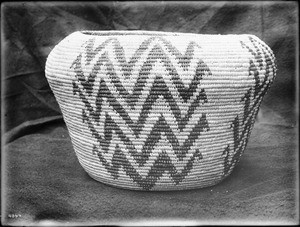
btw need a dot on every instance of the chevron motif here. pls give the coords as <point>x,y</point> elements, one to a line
<point>242,127</point>
<point>145,111</point>
<point>157,110</point>
<point>138,106</point>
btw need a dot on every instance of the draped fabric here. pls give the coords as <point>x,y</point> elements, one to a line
<point>31,30</point>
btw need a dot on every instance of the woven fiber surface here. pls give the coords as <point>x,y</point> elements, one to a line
<point>156,110</point>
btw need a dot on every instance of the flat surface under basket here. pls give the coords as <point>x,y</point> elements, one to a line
<point>46,184</point>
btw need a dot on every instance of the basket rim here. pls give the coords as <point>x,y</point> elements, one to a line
<point>145,32</point>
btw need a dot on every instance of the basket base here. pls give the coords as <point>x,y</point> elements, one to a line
<point>159,187</point>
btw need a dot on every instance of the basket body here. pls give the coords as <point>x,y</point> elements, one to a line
<point>156,110</point>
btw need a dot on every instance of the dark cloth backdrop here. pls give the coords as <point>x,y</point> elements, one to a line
<point>37,149</point>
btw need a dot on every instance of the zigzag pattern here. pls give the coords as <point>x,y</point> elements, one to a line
<point>116,103</point>
<point>161,165</point>
<point>242,127</point>
<point>146,106</point>
<point>156,53</point>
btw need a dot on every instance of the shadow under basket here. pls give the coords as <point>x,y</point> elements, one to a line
<point>159,110</point>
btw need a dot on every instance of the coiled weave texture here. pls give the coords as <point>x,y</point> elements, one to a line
<point>158,110</point>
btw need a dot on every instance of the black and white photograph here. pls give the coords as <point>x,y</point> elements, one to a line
<point>149,113</point>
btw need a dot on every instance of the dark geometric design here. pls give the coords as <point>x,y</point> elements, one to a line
<point>257,93</point>
<point>160,52</point>
<point>161,165</point>
<point>158,89</point>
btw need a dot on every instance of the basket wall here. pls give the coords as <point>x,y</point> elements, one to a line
<point>157,110</point>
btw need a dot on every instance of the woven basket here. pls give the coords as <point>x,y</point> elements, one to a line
<point>157,110</point>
